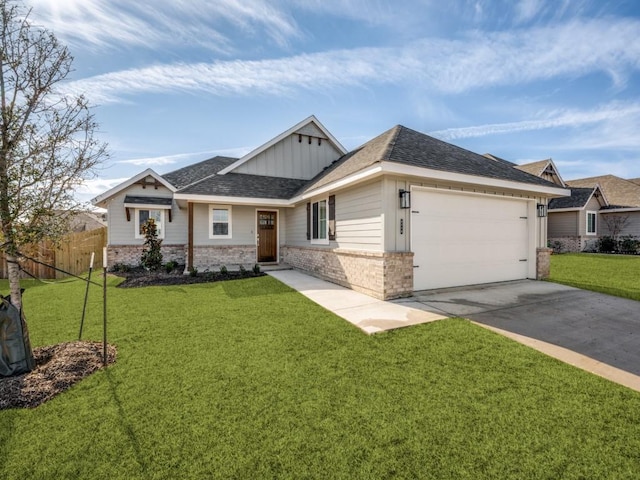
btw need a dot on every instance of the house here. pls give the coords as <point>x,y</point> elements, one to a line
<point>403,212</point>
<point>599,206</point>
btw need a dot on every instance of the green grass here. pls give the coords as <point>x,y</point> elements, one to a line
<point>617,275</point>
<point>249,379</point>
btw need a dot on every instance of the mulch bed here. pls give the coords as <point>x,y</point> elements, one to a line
<point>58,367</point>
<point>139,277</point>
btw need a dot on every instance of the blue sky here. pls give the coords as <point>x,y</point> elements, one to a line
<point>176,82</point>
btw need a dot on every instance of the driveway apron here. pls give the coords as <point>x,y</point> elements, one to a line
<point>599,326</point>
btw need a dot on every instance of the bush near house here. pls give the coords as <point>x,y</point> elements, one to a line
<point>627,244</point>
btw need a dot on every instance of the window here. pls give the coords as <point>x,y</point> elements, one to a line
<point>142,215</point>
<point>319,224</point>
<point>220,221</point>
<point>591,223</point>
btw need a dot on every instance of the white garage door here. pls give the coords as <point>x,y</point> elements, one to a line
<point>463,239</point>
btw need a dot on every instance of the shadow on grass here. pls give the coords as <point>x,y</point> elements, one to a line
<point>126,426</point>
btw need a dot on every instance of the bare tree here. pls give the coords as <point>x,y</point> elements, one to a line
<point>47,143</point>
<point>615,223</point>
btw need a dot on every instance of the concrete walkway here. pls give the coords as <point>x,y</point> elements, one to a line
<point>373,316</point>
<point>365,312</point>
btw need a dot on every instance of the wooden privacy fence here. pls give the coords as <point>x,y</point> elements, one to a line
<point>73,255</point>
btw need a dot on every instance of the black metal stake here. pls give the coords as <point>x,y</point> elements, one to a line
<point>86,296</point>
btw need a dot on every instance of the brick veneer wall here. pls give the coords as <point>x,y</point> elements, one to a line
<point>574,243</point>
<point>383,275</point>
<point>130,254</point>
<point>231,256</point>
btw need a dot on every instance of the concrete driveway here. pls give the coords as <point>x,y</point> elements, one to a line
<point>598,326</point>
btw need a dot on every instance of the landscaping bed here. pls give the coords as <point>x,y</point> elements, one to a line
<point>139,277</point>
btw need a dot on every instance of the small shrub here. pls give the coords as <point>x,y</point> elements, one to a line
<point>121,267</point>
<point>243,270</point>
<point>629,244</point>
<point>606,244</point>
<point>170,266</point>
<point>223,270</point>
<point>256,269</point>
<point>193,272</point>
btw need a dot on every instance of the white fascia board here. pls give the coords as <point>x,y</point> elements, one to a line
<point>262,202</point>
<point>360,176</point>
<point>620,210</point>
<point>282,136</point>
<point>555,169</point>
<point>559,210</point>
<point>409,170</point>
<point>127,183</point>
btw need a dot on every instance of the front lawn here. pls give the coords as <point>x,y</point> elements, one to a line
<point>248,379</point>
<point>617,275</point>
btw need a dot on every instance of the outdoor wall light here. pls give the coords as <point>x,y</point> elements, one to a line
<point>405,198</point>
<point>542,210</point>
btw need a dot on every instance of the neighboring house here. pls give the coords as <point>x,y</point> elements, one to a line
<point>403,212</point>
<point>85,221</point>
<point>598,206</point>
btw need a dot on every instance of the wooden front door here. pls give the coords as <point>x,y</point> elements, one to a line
<point>267,236</point>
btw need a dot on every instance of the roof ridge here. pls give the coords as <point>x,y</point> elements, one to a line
<point>392,142</point>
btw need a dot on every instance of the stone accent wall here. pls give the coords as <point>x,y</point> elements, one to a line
<point>382,275</point>
<point>130,254</point>
<point>231,256</point>
<point>543,263</point>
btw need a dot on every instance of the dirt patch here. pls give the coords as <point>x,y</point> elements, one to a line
<point>142,278</point>
<point>58,367</point>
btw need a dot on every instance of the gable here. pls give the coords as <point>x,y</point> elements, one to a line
<point>300,152</point>
<point>146,180</point>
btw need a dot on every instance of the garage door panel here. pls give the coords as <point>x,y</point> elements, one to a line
<point>461,239</point>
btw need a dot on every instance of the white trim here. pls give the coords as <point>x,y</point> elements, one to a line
<point>560,210</point>
<point>555,169</point>
<point>267,202</point>
<point>325,240</point>
<point>136,226</point>
<point>277,231</point>
<point>282,136</point>
<point>229,209</point>
<point>354,178</point>
<point>595,218</point>
<point>100,199</point>
<point>620,210</point>
<point>147,206</point>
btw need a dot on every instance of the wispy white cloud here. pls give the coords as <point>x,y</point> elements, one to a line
<point>184,158</point>
<point>577,48</point>
<point>551,119</point>
<point>154,23</point>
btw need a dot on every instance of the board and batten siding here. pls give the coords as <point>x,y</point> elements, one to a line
<point>294,156</point>
<point>359,224</point>
<point>122,232</point>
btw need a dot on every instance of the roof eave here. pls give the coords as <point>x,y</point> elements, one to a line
<point>226,199</point>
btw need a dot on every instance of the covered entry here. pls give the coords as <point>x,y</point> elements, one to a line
<point>461,238</point>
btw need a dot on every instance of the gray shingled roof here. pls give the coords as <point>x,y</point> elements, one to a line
<point>498,159</point>
<point>409,147</point>
<point>618,191</point>
<point>193,173</point>
<point>147,200</point>
<point>245,185</point>
<point>578,199</point>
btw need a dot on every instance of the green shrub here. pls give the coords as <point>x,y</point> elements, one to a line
<point>120,267</point>
<point>170,266</point>
<point>193,272</point>
<point>223,270</point>
<point>606,244</point>
<point>629,244</point>
<point>243,270</point>
<point>151,258</point>
<point>256,268</point>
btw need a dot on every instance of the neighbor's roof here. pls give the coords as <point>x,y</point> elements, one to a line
<point>409,147</point>
<point>619,192</point>
<point>635,180</point>
<point>578,199</point>
<point>194,173</point>
<point>245,185</point>
<point>534,168</point>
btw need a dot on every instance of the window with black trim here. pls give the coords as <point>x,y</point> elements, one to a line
<point>319,222</point>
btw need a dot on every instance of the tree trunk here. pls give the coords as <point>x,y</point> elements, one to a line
<point>13,270</point>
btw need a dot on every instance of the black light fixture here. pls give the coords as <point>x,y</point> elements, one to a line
<point>405,198</point>
<point>542,210</point>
